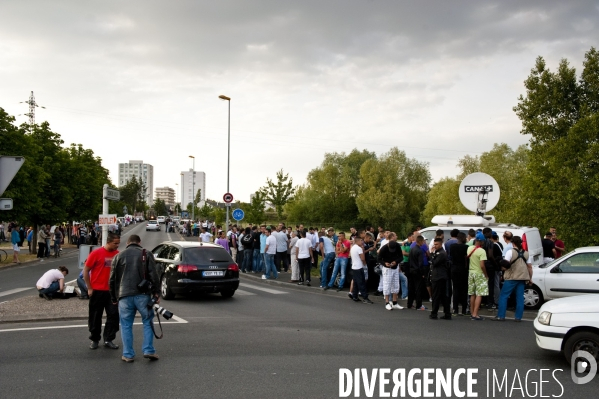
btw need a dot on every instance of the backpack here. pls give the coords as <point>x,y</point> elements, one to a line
<point>247,240</point>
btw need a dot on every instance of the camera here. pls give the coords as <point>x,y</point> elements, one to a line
<point>160,310</point>
<point>145,286</point>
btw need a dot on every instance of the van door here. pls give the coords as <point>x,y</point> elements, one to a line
<point>575,275</point>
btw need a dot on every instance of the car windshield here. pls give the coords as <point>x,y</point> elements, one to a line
<point>204,255</point>
<point>553,262</point>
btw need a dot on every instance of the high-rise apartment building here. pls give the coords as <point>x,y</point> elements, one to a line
<point>188,186</point>
<point>142,171</point>
<point>166,194</point>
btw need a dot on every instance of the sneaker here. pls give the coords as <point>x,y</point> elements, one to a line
<point>368,301</point>
<point>326,288</point>
<point>350,295</point>
<point>378,293</point>
<point>93,345</point>
<point>339,289</point>
<point>264,277</point>
<point>300,283</point>
<point>422,308</point>
<point>388,306</point>
<point>433,317</point>
<point>397,306</point>
<point>243,271</point>
<point>47,297</point>
<point>497,319</point>
<point>127,359</point>
<point>308,284</point>
<point>152,356</point>
<point>477,318</point>
<point>446,317</point>
<point>455,313</point>
<point>405,298</point>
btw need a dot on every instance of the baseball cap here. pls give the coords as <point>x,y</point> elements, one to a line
<point>480,236</point>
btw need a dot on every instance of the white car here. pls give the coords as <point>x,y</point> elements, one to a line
<point>153,225</point>
<point>161,219</point>
<point>569,325</point>
<point>576,273</point>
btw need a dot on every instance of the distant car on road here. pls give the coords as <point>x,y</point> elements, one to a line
<point>576,273</point>
<point>152,225</point>
<point>568,325</point>
<point>161,219</point>
<point>187,267</point>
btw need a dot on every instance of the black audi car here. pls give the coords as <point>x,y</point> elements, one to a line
<point>188,267</point>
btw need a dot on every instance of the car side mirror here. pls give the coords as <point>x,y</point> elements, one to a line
<point>556,269</point>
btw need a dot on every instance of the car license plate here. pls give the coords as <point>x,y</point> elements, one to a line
<point>213,274</point>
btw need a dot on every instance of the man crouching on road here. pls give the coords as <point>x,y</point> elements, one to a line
<point>129,269</point>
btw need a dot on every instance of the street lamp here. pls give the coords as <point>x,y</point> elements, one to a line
<point>193,188</point>
<point>228,99</point>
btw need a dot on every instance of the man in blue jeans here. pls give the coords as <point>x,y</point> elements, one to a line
<point>129,268</point>
<point>270,250</point>
<point>342,251</point>
<point>327,249</point>
<point>51,282</point>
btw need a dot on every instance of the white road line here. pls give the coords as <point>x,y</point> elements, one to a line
<point>242,292</point>
<point>255,287</point>
<point>178,319</point>
<point>9,292</point>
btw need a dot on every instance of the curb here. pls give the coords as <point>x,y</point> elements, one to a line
<point>27,262</point>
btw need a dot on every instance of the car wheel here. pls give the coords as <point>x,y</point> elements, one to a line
<point>587,341</point>
<point>227,293</point>
<point>533,297</point>
<point>165,289</point>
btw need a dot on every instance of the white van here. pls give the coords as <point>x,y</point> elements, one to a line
<point>531,238</point>
<point>161,219</point>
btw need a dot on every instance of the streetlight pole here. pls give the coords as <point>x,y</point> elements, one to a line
<point>228,99</point>
<point>193,188</point>
<point>177,189</point>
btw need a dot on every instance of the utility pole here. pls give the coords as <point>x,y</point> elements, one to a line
<point>31,114</point>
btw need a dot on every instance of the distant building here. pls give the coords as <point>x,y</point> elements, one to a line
<point>188,186</point>
<point>142,171</point>
<point>166,194</point>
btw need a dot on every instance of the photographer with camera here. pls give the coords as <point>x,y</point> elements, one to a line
<point>135,285</point>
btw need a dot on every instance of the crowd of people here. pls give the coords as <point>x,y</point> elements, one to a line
<point>458,276</point>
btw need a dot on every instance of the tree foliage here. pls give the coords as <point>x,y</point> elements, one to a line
<point>55,184</point>
<point>160,207</point>
<point>255,210</point>
<point>279,193</point>
<point>393,190</point>
<point>133,195</point>
<point>561,115</point>
<point>329,195</point>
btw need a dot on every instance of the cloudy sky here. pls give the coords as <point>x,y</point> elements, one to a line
<point>141,79</point>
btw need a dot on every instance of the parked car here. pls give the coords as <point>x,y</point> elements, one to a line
<point>187,267</point>
<point>575,273</point>
<point>152,225</point>
<point>531,238</point>
<point>568,325</point>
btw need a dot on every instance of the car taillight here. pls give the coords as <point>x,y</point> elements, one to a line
<point>233,267</point>
<point>187,268</point>
<point>524,242</point>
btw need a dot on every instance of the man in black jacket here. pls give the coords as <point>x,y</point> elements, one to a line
<point>129,269</point>
<point>416,274</point>
<point>439,279</point>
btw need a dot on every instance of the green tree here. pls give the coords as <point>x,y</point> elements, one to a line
<point>560,113</point>
<point>279,193</point>
<point>160,207</point>
<point>255,210</point>
<point>393,190</point>
<point>205,211</point>
<point>198,196</point>
<point>329,195</point>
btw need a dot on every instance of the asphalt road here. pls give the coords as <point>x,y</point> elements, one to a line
<point>272,340</point>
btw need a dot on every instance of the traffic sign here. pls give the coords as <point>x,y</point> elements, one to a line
<point>228,197</point>
<point>238,214</point>
<point>112,194</point>
<point>9,166</point>
<point>105,220</point>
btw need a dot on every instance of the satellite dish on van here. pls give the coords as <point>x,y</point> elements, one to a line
<point>479,193</point>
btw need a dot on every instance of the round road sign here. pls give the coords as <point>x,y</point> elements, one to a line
<point>228,197</point>
<point>238,214</point>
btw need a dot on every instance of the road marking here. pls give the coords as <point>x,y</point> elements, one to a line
<point>9,292</point>
<point>178,321</point>
<point>242,292</point>
<point>255,287</point>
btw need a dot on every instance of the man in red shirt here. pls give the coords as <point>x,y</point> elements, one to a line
<point>96,273</point>
<point>560,248</point>
<point>342,251</point>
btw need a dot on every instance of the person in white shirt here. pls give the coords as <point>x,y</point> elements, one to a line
<point>293,261</point>
<point>205,236</point>
<point>269,255</point>
<point>305,257</point>
<point>51,282</point>
<point>357,264</point>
